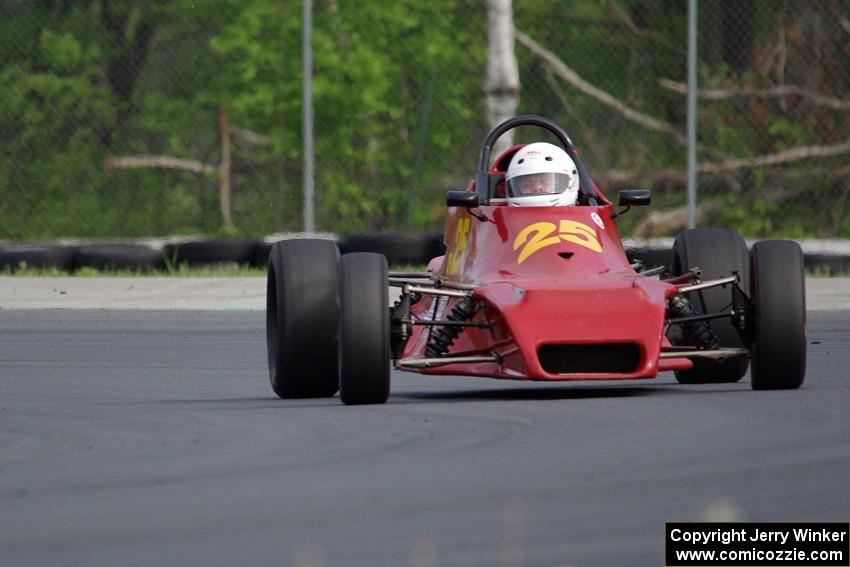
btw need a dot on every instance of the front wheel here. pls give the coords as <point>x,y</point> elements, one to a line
<point>778,295</point>
<point>364,329</point>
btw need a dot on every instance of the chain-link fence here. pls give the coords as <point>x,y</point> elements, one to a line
<point>125,118</point>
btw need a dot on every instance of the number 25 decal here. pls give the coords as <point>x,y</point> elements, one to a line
<point>458,247</point>
<point>540,234</point>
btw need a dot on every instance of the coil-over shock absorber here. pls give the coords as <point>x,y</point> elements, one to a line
<point>699,331</point>
<point>443,337</point>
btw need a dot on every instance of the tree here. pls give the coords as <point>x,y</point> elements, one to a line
<point>372,66</point>
<point>502,86</point>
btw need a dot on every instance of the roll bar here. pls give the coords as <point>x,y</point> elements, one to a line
<point>482,179</point>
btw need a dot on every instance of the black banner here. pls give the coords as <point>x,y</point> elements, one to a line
<point>756,544</point>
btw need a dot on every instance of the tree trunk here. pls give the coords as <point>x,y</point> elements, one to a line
<point>128,32</point>
<point>224,168</point>
<point>710,22</point>
<point>502,86</point>
<point>738,34</point>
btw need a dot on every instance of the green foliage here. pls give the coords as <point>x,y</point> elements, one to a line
<point>399,108</point>
<point>371,61</point>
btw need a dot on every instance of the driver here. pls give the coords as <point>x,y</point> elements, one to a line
<point>542,175</point>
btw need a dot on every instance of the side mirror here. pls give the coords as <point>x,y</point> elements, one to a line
<point>634,197</point>
<point>466,199</point>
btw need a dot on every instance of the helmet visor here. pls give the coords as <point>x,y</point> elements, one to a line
<point>538,184</point>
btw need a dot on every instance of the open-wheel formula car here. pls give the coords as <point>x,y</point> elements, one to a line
<point>536,293</point>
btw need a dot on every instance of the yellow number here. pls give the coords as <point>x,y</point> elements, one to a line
<point>458,246</point>
<point>580,234</point>
<point>534,237</point>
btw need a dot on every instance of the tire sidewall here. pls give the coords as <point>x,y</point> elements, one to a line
<point>779,313</point>
<point>364,329</point>
<point>301,318</point>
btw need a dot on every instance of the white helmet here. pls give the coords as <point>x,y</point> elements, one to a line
<point>542,175</point>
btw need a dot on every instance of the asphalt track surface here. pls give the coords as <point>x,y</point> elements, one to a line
<point>134,438</point>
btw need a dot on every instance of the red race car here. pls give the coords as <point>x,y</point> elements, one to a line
<point>540,293</point>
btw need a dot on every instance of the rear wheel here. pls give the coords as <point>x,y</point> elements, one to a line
<point>364,329</point>
<point>779,301</point>
<point>302,317</point>
<point>717,252</point>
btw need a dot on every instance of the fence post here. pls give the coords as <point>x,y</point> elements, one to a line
<point>307,94</point>
<point>692,113</point>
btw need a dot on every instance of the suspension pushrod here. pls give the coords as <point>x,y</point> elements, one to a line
<point>442,361</point>
<point>717,353</point>
<point>392,282</point>
<point>686,277</point>
<point>708,284</point>
<point>436,291</point>
<point>653,271</point>
<point>426,275</point>
<point>437,285</point>
<point>446,323</point>
<point>707,317</point>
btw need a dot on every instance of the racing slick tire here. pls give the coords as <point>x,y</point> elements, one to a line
<point>717,252</point>
<point>778,295</point>
<point>302,318</point>
<point>364,329</point>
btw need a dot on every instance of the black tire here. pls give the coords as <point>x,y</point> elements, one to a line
<point>364,329</point>
<point>401,247</point>
<point>261,254</point>
<point>717,252</point>
<point>16,256</point>
<point>118,256</point>
<point>302,317</point>
<point>211,251</point>
<point>650,257</point>
<point>778,294</point>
